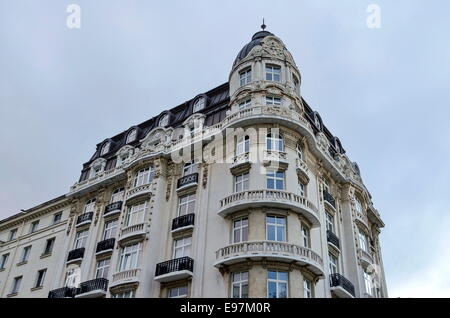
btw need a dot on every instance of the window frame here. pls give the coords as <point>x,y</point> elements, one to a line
<point>129,257</point>
<point>277,282</point>
<point>4,260</point>
<point>199,105</point>
<point>275,142</point>
<point>131,136</point>
<point>136,214</point>
<point>272,174</point>
<point>188,206</point>
<point>25,256</point>
<point>241,182</point>
<point>34,226</point>
<point>333,263</point>
<point>275,227</point>
<point>273,101</point>
<point>240,228</point>
<point>241,283</point>
<point>308,288</point>
<point>15,288</point>
<point>245,76</point>
<point>48,249</point>
<point>271,71</point>
<point>245,104</point>
<point>103,266</point>
<point>178,288</point>
<point>185,247</point>
<point>40,278</point>
<point>81,238</point>
<point>144,176</point>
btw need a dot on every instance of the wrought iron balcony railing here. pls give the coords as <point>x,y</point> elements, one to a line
<point>329,198</point>
<point>175,265</point>
<point>338,280</point>
<point>64,292</point>
<point>85,217</point>
<point>182,221</point>
<point>105,245</point>
<point>187,180</point>
<point>92,285</point>
<point>332,238</point>
<point>113,208</point>
<point>75,254</point>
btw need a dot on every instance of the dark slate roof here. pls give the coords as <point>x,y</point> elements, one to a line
<point>256,40</point>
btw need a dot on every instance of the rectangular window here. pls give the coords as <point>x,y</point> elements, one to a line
<point>186,204</point>
<point>368,282</point>
<point>275,180</point>
<point>241,182</point>
<point>308,291</point>
<point>302,188</point>
<point>240,230</point>
<point>117,195</point>
<point>273,73</point>
<point>245,104</point>
<point>81,239</point>
<point>190,168</point>
<point>277,284</point>
<point>245,76</point>
<point>136,214</point>
<point>127,294</point>
<point>144,176</point>
<point>129,257</point>
<point>12,235</point>
<point>182,247</point>
<point>363,240</point>
<point>49,246</point>
<point>57,217</point>
<point>102,269</point>
<point>16,285</point>
<point>276,228</point>
<point>34,226</point>
<point>242,145</point>
<point>4,261</point>
<point>306,236</point>
<point>25,254</point>
<point>239,285</point>
<point>329,222</point>
<point>273,101</point>
<point>274,142</point>
<point>178,292</point>
<point>333,264</point>
<point>40,278</point>
<point>72,277</point>
<point>110,230</point>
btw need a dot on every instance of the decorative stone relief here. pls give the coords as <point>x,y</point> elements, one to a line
<point>100,203</point>
<point>170,177</point>
<point>205,174</point>
<point>74,207</point>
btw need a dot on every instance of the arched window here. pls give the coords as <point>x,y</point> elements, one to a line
<point>131,136</point>
<point>242,145</point>
<point>300,154</point>
<point>105,149</point>
<point>274,142</point>
<point>199,104</point>
<point>164,121</point>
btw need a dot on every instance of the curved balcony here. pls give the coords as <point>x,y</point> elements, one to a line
<point>132,232</point>
<point>84,219</point>
<point>362,220</point>
<point>270,198</point>
<point>128,276</point>
<point>113,209</point>
<point>341,286</point>
<point>365,258</point>
<point>143,190</point>
<point>274,251</point>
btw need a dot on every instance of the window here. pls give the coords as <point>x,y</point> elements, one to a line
<point>368,283</point>
<point>275,180</point>
<point>12,234</point>
<point>102,269</point>
<point>89,206</point>
<point>182,247</point>
<point>34,226</point>
<point>57,217</point>
<point>136,214</point>
<point>296,82</point>
<point>25,254</point>
<point>178,292</point>
<point>277,284</point>
<point>306,236</point>
<point>329,222</point>
<point>72,277</point>
<point>358,206</point>
<point>186,204</point>
<point>117,195</point>
<point>245,104</point>
<point>363,241</point>
<point>190,168</point>
<point>4,261</point>
<point>129,257</point>
<point>307,288</point>
<point>273,101</point>
<point>276,228</point>
<point>302,188</point>
<point>144,176</point>
<point>105,149</point>
<point>240,230</point>
<point>273,73</point>
<point>245,76</point>
<point>81,239</point>
<point>110,230</point>
<point>40,278</point>
<point>300,151</point>
<point>241,182</point>
<point>131,136</point>
<point>239,285</point>
<point>333,264</point>
<point>127,294</point>
<point>242,145</point>
<point>16,285</point>
<point>199,105</point>
<point>274,142</point>
<point>317,121</point>
<point>49,246</point>
<point>164,121</point>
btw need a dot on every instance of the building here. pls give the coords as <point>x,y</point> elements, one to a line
<point>240,192</point>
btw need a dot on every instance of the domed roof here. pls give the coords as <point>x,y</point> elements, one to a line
<point>256,40</point>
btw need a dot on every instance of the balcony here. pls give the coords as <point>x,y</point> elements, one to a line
<point>268,198</point>
<point>273,157</point>
<point>341,286</point>
<point>136,231</point>
<point>75,255</point>
<point>333,239</point>
<point>329,200</point>
<point>129,276</point>
<point>175,269</point>
<point>105,246</point>
<point>64,292</point>
<point>84,219</point>
<point>93,288</point>
<point>365,257</point>
<point>302,170</point>
<point>240,163</point>
<point>183,222</point>
<point>273,251</point>
<point>113,208</point>
<point>143,190</point>
<point>191,180</point>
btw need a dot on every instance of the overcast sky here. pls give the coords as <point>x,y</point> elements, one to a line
<point>384,92</point>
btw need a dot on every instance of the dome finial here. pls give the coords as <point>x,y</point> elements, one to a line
<point>263,26</point>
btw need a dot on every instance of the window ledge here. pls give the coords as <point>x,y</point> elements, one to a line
<point>36,288</point>
<point>45,255</point>
<point>12,295</point>
<point>22,263</point>
<point>2,269</point>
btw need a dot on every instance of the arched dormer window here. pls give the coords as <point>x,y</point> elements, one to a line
<point>164,121</point>
<point>105,148</point>
<point>131,136</point>
<point>199,105</point>
<point>317,121</point>
<point>274,142</point>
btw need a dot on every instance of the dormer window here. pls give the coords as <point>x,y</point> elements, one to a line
<point>245,104</point>
<point>199,105</point>
<point>164,121</point>
<point>105,149</point>
<point>317,121</point>
<point>131,136</point>
<point>296,82</point>
<point>273,73</point>
<point>245,76</point>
